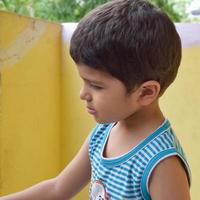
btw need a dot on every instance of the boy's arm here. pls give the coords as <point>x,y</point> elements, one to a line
<point>70,181</point>
<point>169,181</point>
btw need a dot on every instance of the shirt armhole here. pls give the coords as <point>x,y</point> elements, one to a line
<point>153,163</point>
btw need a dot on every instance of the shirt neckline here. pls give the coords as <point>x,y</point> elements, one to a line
<point>124,157</point>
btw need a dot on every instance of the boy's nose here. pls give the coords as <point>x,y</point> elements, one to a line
<point>84,95</point>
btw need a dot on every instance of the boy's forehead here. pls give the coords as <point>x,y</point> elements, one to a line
<point>87,72</point>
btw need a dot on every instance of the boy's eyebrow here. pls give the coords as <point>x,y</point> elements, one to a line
<point>93,81</point>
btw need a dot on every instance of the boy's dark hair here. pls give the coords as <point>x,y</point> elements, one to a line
<point>132,40</point>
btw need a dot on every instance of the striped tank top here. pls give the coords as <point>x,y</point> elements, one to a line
<point>126,177</point>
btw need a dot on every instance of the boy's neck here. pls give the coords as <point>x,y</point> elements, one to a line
<point>147,119</point>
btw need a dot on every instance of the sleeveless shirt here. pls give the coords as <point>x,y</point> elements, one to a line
<point>126,177</point>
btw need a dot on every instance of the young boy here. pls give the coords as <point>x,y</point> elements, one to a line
<point>127,53</point>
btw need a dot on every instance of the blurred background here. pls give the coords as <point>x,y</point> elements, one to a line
<point>73,10</point>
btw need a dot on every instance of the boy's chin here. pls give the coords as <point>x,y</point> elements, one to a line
<point>104,121</point>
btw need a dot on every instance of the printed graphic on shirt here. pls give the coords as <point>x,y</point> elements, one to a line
<point>98,191</point>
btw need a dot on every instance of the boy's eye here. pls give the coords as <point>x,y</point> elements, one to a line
<point>96,87</point>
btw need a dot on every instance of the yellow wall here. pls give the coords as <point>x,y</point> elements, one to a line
<point>42,121</point>
<point>181,103</point>
<point>30,60</point>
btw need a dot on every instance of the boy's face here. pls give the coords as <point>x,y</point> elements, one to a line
<point>106,97</point>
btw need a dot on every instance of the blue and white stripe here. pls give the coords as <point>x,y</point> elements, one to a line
<point>127,176</point>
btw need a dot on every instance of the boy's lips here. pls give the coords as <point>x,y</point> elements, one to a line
<point>91,110</point>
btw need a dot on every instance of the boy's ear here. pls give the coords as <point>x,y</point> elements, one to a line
<point>148,92</point>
